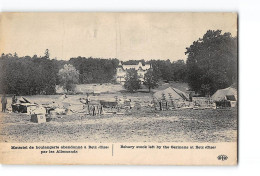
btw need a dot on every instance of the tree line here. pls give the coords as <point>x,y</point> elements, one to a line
<point>211,64</point>
<point>40,75</point>
<point>27,75</point>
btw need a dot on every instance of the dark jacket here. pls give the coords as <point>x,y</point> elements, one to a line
<point>4,100</point>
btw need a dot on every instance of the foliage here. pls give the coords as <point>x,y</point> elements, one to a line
<point>95,70</point>
<point>151,79</point>
<point>39,75</point>
<point>47,54</point>
<point>170,71</point>
<point>211,65</point>
<point>26,75</point>
<point>179,71</point>
<point>212,62</point>
<point>69,76</point>
<point>132,82</point>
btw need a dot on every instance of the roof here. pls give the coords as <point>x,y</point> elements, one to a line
<point>171,93</point>
<point>224,94</point>
<point>136,67</point>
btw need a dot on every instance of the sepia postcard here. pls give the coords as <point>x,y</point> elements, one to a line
<point>119,88</point>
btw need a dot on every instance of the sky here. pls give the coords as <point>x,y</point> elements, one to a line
<point>108,35</point>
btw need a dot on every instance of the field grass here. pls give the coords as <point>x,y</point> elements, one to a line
<point>187,125</point>
<point>145,125</point>
<point>116,88</point>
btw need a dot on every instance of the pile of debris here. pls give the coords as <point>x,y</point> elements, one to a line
<point>37,112</point>
<point>25,106</point>
<point>203,103</point>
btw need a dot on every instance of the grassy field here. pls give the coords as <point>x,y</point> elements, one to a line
<point>187,125</point>
<point>146,125</point>
<point>116,88</point>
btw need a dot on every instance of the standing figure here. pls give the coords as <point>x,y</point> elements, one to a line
<point>94,110</point>
<point>4,103</point>
<point>87,99</point>
<point>101,109</point>
<point>89,110</point>
<point>14,99</point>
<point>97,109</point>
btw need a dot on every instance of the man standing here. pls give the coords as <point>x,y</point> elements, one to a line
<point>14,99</point>
<point>4,102</point>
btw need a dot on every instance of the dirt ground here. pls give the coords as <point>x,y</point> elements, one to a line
<point>187,125</point>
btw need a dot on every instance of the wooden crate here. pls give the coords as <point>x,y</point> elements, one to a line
<point>38,118</point>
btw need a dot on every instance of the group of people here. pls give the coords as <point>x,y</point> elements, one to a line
<point>92,109</point>
<point>4,101</point>
<point>95,109</point>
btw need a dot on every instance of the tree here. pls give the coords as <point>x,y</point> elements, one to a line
<point>27,76</point>
<point>163,69</point>
<point>69,76</point>
<point>151,79</point>
<point>15,55</point>
<point>212,62</point>
<point>95,70</point>
<point>132,82</point>
<point>47,54</point>
<point>179,71</point>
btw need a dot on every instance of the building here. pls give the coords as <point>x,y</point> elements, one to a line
<point>122,69</point>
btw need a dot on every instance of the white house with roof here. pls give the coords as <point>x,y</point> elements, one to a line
<point>122,69</point>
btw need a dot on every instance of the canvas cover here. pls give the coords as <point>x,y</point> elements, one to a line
<point>171,93</point>
<point>222,94</point>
